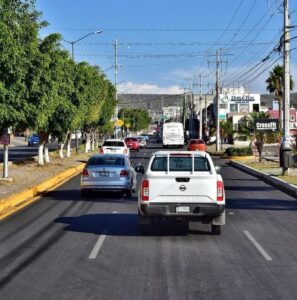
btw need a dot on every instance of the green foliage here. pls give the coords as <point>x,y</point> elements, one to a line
<point>138,119</point>
<point>41,87</point>
<point>226,128</point>
<point>19,24</point>
<point>233,151</point>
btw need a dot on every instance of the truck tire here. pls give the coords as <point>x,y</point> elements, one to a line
<point>216,229</point>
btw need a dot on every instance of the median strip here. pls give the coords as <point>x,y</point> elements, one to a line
<point>17,201</point>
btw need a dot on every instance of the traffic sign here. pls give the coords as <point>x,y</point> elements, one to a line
<point>119,123</point>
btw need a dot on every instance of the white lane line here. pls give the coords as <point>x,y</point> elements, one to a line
<point>98,245</point>
<point>257,245</point>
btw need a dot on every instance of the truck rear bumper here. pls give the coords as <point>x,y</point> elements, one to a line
<point>196,211</point>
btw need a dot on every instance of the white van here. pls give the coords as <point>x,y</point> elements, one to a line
<point>173,134</point>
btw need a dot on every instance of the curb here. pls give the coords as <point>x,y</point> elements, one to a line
<point>17,201</point>
<point>288,188</point>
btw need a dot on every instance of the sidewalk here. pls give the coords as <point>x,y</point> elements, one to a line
<point>268,171</point>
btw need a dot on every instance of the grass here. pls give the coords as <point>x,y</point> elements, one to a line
<point>290,179</point>
<point>262,165</point>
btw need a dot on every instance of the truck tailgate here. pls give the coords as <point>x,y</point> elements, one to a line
<point>183,188</point>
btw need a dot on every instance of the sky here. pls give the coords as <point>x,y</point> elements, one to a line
<point>167,46</point>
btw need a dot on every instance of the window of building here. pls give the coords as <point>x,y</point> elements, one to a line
<point>256,108</point>
<point>234,107</point>
<point>292,118</point>
<point>224,105</point>
<point>244,108</point>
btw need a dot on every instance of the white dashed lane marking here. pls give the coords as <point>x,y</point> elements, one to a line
<point>98,245</point>
<point>257,245</point>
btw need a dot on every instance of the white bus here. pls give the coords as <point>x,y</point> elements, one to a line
<point>173,134</point>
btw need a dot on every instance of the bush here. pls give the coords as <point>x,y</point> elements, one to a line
<point>232,151</point>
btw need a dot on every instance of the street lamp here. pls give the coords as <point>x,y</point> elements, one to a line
<point>72,43</point>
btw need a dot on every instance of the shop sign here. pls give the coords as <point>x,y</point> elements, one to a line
<point>5,139</point>
<point>242,99</point>
<point>266,125</point>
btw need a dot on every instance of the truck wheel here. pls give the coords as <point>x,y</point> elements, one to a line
<point>216,229</point>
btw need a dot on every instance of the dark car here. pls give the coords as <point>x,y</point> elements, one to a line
<point>33,140</point>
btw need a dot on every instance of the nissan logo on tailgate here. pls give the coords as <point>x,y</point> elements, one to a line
<point>182,188</point>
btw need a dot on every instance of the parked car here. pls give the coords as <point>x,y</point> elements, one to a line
<point>181,185</point>
<point>196,145</point>
<point>114,146</point>
<point>142,141</point>
<point>211,140</point>
<point>33,140</point>
<point>132,143</point>
<point>108,172</point>
<point>146,136</point>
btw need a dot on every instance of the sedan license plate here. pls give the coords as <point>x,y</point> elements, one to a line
<point>103,173</point>
<point>182,209</point>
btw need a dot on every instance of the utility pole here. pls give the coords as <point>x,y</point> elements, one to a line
<point>286,148</point>
<point>200,106</point>
<point>218,137</point>
<point>116,67</point>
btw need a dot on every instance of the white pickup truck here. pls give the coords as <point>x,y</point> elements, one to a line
<point>184,185</point>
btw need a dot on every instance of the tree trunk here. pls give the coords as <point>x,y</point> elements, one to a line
<point>61,152</point>
<point>68,143</point>
<point>40,153</point>
<point>93,142</point>
<point>46,153</point>
<point>88,142</point>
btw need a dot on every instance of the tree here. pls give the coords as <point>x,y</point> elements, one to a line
<point>275,85</point>
<point>19,25</point>
<point>44,89</point>
<point>226,130</point>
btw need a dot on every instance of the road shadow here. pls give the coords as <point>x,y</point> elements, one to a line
<point>261,204</point>
<point>118,224</point>
<point>249,188</point>
<point>75,195</point>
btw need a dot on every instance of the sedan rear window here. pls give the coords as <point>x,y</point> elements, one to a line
<point>113,144</point>
<point>106,161</point>
<point>181,164</point>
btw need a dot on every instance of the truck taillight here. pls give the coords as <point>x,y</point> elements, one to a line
<point>85,173</point>
<point>145,190</point>
<point>220,191</point>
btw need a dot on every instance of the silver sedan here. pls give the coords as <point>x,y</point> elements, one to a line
<point>108,172</point>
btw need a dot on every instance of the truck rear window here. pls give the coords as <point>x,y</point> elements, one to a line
<point>180,164</point>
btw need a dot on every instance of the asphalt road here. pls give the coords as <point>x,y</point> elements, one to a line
<point>68,247</point>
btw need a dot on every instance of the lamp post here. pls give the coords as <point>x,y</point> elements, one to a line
<point>72,43</point>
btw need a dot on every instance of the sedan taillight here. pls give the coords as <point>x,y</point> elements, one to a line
<point>85,173</point>
<point>125,151</point>
<point>124,173</point>
<point>220,191</point>
<point>145,190</point>
<point>101,151</point>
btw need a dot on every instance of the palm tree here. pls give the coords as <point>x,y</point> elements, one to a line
<point>275,85</point>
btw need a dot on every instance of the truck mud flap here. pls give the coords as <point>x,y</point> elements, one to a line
<point>220,220</point>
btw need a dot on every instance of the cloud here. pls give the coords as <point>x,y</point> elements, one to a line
<point>146,88</point>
